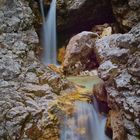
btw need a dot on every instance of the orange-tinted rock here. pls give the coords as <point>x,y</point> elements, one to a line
<point>61,54</point>
<point>117,125</point>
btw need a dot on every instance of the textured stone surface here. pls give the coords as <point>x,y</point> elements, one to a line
<point>126,12</point>
<point>118,56</point>
<point>72,12</point>
<point>15,16</point>
<point>27,87</point>
<point>78,53</point>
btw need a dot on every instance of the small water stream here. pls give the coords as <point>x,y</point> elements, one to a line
<point>49,34</point>
<point>85,124</point>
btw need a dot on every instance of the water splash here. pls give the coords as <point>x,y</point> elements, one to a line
<point>49,34</point>
<point>86,124</point>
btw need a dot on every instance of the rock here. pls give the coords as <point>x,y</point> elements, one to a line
<point>70,10</point>
<point>107,32</point>
<point>31,78</point>
<point>117,126</point>
<point>24,96</point>
<point>15,17</point>
<point>100,28</point>
<point>9,69</point>
<point>134,66</point>
<point>123,81</point>
<point>106,68</point>
<point>37,90</point>
<point>61,54</point>
<point>126,13</point>
<point>100,92</point>
<point>106,29</point>
<point>55,80</point>
<point>106,47</point>
<point>118,59</point>
<point>130,137</point>
<point>78,53</point>
<point>89,73</point>
<point>85,18</point>
<point>118,56</point>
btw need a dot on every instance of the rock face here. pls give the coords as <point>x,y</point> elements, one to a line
<point>75,13</point>
<point>15,17</point>
<point>72,12</point>
<point>78,53</point>
<point>126,12</point>
<point>26,86</point>
<point>119,56</point>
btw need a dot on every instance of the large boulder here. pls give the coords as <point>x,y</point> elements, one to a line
<point>79,52</point>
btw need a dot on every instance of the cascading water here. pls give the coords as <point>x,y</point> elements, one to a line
<point>49,34</point>
<point>85,124</point>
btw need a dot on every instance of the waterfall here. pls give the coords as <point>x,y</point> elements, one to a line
<point>49,34</point>
<point>85,124</point>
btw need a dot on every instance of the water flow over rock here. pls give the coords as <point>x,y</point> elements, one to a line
<point>49,34</point>
<point>85,124</point>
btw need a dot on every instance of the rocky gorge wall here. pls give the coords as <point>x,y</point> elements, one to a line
<point>26,85</point>
<point>71,15</point>
<point>118,58</point>
<point>28,88</point>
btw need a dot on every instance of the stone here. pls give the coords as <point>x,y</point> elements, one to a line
<point>24,98</point>
<point>107,47</point>
<point>106,69</point>
<point>78,55</point>
<point>123,81</point>
<point>61,54</point>
<point>117,125</point>
<point>118,65</point>
<point>100,92</point>
<point>118,57</point>
<point>130,137</point>
<point>9,69</point>
<point>17,16</point>
<point>31,78</point>
<point>126,13</point>
<point>70,10</point>
<point>37,90</point>
<point>134,66</point>
<point>107,32</point>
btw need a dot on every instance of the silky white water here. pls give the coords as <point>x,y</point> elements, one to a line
<point>85,124</point>
<point>49,34</point>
